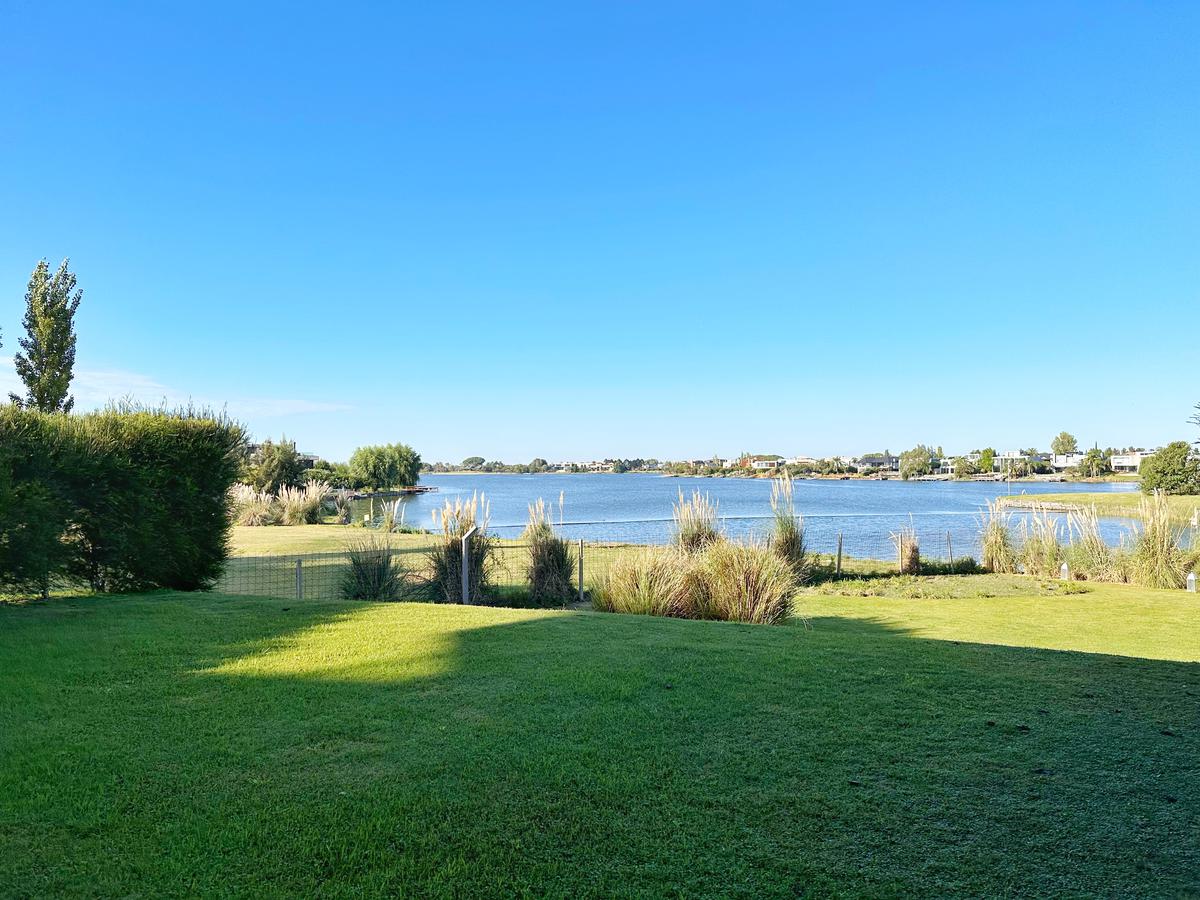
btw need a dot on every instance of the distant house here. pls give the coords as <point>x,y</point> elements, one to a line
<point>1130,462</point>
<point>884,462</point>
<point>762,464</point>
<point>801,461</point>
<point>1060,462</point>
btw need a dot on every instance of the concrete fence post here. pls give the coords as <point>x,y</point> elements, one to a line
<point>1191,582</point>
<point>466,565</point>
<point>299,578</point>
<point>839,556</point>
<point>581,570</point>
<point>1064,572</point>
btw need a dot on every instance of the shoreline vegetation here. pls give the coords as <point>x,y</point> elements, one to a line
<point>768,474</point>
<point>1184,509</point>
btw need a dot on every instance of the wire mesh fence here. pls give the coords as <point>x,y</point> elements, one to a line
<point>322,576</point>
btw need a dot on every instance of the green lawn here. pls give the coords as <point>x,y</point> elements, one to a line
<point>1107,504</point>
<point>208,744</point>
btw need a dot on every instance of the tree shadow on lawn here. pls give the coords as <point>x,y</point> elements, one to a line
<point>437,749</point>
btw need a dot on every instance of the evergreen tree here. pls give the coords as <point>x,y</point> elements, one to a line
<point>47,361</point>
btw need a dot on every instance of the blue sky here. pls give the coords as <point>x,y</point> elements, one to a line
<point>619,229</point>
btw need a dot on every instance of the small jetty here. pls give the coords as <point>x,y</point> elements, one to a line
<point>395,493</point>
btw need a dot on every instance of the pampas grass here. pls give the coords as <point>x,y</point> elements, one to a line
<point>1156,559</point>
<point>551,570</point>
<point>695,522</point>
<point>302,506</point>
<point>787,536</point>
<point>250,507</point>
<point>372,573</point>
<point>908,550</point>
<point>655,581</point>
<point>745,583</point>
<point>455,520</point>
<point>1041,546</point>
<point>995,539</point>
<point>1088,557</point>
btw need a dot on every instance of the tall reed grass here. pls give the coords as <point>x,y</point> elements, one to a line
<point>1087,556</point>
<point>654,581</point>
<point>995,538</point>
<point>908,550</point>
<point>250,507</point>
<point>551,571</point>
<point>1157,558</point>
<point>745,583</point>
<point>787,535</point>
<point>445,560</point>
<point>304,505</point>
<point>695,522</point>
<point>372,572</point>
<point>1041,552</point>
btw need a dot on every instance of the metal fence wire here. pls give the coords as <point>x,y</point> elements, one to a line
<point>320,576</point>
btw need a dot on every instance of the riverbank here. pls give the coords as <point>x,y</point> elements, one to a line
<point>1183,509</point>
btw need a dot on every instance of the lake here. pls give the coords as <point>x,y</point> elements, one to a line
<point>637,507</point>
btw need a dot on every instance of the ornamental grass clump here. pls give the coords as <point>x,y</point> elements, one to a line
<point>787,535</point>
<point>343,507</point>
<point>302,506</point>
<point>908,550</point>
<point>551,570</point>
<point>995,538</point>
<point>372,573</point>
<point>250,507</point>
<point>744,583</point>
<point>1156,559</point>
<point>445,561</point>
<point>1088,557</point>
<point>1041,545</point>
<point>695,522</point>
<point>655,581</point>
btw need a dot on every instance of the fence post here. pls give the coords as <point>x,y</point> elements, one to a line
<point>1064,572</point>
<point>466,565</point>
<point>1191,582</point>
<point>581,570</point>
<point>299,578</point>
<point>950,550</point>
<point>839,560</point>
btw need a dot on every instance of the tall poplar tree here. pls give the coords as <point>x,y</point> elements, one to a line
<point>46,362</point>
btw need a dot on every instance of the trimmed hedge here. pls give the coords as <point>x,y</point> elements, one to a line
<point>122,500</point>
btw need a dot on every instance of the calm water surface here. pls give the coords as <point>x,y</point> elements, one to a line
<point>637,508</point>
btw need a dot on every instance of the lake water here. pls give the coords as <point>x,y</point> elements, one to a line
<point>637,508</point>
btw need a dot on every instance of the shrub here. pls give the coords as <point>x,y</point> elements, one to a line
<point>1157,560</point>
<point>908,550</point>
<point>655,581</point>
<point>787,537</point>
<point>695,522</point>
<point>744,583</point>
<point>551,564</point>
<point>1041,548</point>
<point>125,499</point>
<point>996,540</point>
<point>960,565</point>
<point>371,572</point>
<point>1174,470</point>
<point>445,559</point>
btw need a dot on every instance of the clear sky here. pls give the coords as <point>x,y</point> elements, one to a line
<point>619,229</point>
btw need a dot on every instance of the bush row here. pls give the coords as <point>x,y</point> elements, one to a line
<point>124,499</point>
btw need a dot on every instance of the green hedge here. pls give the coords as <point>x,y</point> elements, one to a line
<point>121,500</point>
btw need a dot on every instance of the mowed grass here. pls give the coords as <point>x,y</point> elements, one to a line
<point>209,744</point>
